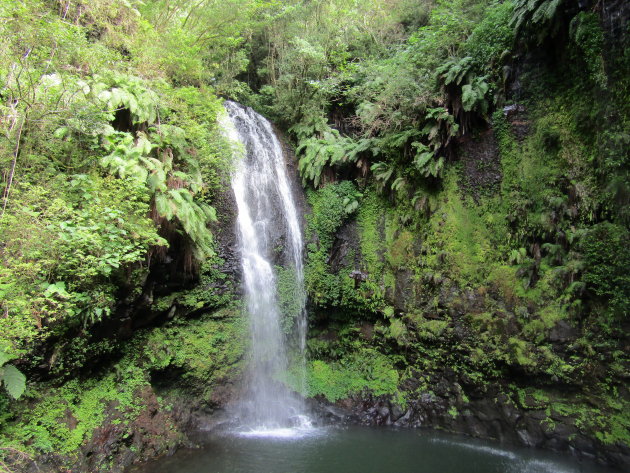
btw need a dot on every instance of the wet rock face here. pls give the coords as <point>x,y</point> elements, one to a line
<point>152,433</point>
<point>615,15</point>
<point>346,243</point>
<point>517,117</point>
<point>118,443</point>
<point>481,164</point>
<point>225,233</point>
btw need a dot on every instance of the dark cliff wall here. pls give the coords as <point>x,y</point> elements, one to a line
<point>479,306</point>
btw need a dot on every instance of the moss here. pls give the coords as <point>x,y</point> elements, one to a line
<point>606,251</point>
<point>428,329</point>
<point>207,350</point>
<point>371,221</point>
<point>398,331</point>
<point>212,291</point>
<point>329,211</point>
<point>61,419</point>
<point>521,352</point>
<point>608,421</point>
<point>538,328</point>
<point>289,297</point>
<point>463,238</point>
<point>364,372</point>
<point>400,251</point>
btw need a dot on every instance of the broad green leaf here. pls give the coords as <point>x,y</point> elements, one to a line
<point>4,357</point>
<point>14,381</point>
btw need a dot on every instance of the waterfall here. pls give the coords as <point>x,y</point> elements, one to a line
<point>268,229</point>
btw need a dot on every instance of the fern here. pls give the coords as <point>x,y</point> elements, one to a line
<point>439,127</point>
<point>399,139</point>
<point>351,202</point>
<point>194,217</point>
<point>426,162</point>
<point>136,160</point>
<point>518,256</point>
<point>399,185</point>
<point>474,95</point>
<point>116,91</point>
<point>435,167</point>
<point>128,159</point>
<point>329,150</point>
<point>456,70</point>
<point>424,202</point>
<point>536,18</point>
<point>382,172</point>
<point>315,126</point>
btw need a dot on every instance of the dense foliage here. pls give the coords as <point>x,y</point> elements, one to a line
<point>466,168</point>
<point>110,162</point>
<point>102,166</point>
<point>485,228</point>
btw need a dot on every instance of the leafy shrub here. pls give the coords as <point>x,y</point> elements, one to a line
<point>606,249</point>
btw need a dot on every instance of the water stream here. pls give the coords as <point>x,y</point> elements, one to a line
<point>268,228</point>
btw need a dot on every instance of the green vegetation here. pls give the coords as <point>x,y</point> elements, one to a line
<point>490,230</point>
<point>12,379</point>
<point>465,164</point>
<point>334,381</point>
<point>103,168</point>
<point>205,351</point>
<point>201,353</point>
<point>346,366</point>
<point>111,162</point>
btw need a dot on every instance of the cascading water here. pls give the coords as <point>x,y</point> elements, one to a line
<point>266,215</point>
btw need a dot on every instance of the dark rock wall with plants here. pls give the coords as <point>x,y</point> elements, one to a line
<point>490,297</point>
<point>465,176</point>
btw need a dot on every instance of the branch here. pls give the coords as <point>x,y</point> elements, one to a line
<point>16,152</point>
<point>192,10</point>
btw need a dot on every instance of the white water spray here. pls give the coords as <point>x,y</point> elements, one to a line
<point>266,215</point>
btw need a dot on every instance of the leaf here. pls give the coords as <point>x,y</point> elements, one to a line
<point>399,184</point>
<point>104,96</point>
<point>4,358</point>
<point>61,132</point>
<point>422,159</point>
<point>162,206</point>
<point>382,171</point>
<point>210,212</point>
<point>14,381</point>
<point>469,97</point>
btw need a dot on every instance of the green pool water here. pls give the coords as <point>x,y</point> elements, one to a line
<point>361,450</point>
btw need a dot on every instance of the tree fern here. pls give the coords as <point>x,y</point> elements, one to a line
<point>439,127</point>
<point>456,70</point>
<point>136,159</point>
<point>423,160</point>
<point>399,185</point>
<point>536,18</point>
<point>128,158</point>
<point>474,95</point>
<point>382,172</point>
<point>116,91</point>
<point>193,216</point>
<point>316,153</point>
